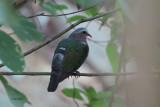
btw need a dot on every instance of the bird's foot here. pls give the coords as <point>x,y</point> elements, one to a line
<point>77,74</point>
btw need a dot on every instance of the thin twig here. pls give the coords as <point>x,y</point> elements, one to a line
<point>117,78</point>
<point>63,14</point>
<point>97,12</point>
<point>74,94</point>
<point>32,12</point>
<point>81,74</point>
<point>66,30</point>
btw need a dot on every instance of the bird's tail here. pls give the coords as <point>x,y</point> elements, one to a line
<point>53,84</point>
<point>56,72</point>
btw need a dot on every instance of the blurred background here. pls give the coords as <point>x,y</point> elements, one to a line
<point>124,41</point>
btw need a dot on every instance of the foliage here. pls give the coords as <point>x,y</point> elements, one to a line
<point>87,3</point>
<point>102,99</point>
<point>92,11</point>
<point>104,20</point>
<point>26,30</point>
<point>11,53</point>
<point>120,13</point>
<point>75,18</point>
<point>17,98</point>
<point>113,55</point>
<point>95,99</point>
<point>51,8</point>
<point>12,56</point>
<point>22,26</point>
<point>70,92</point>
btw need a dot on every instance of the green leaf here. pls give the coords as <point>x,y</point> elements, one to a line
<point>11,53</point>
<point>115,30</point>
<point>118,102</point>
<point>113,55</point>
<point>7,13</point>
<point>87,2</point>
<point>105,19</point>
<point>100,103</point>
<point>26,30</point>
<point>51,8</point>
<point>90,92</point>
<point>103,95</point>
<point>127,10</point>
<point>69,92</point>
<point>12,1</point>
<point>97,99</point>
<point>92,11</point>
<point>39,1</point>
<point>120,13</point>
<point>17,98</point>
<point>75,18</point>
<point>60,7</point>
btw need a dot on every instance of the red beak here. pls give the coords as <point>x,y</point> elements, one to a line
<point>89,35</point>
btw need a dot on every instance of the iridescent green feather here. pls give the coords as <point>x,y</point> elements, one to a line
<point>75,54</point>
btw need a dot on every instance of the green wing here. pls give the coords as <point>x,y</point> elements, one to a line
<point>74,55</point>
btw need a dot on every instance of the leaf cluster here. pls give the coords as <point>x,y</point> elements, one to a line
<point>95,99</point>
<point>12,56</point>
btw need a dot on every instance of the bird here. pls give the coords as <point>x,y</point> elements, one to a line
<point>69,55</point>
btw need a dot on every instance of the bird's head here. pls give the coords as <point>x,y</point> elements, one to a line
<point>80,34</point>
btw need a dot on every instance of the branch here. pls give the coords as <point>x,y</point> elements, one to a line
<point>124,70</point>
<point>66,30</point>
<point>64,14</point>
<point>69,28</point>
<point>74,94</point>
<point>97,12</point>
<point>81,74</point>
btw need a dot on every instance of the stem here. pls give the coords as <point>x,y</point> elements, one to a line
<point>81,74</point>
<point>63,14</point>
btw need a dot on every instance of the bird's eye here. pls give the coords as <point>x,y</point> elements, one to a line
<point>84,32</point>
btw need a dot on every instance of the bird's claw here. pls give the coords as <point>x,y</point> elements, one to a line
<point>77,74</point>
